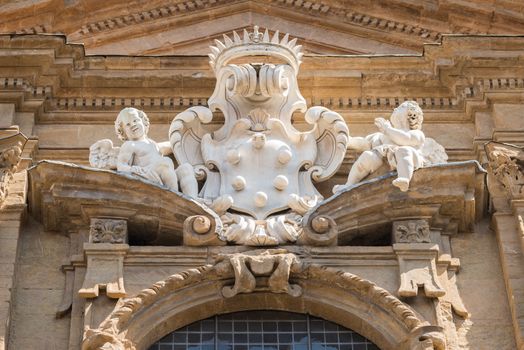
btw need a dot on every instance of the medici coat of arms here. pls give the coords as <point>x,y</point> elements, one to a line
<point>258,169</point>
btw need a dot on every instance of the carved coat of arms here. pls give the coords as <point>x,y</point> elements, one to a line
<point>259,170</point>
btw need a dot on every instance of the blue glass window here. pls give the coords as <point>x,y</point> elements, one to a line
<point>263,330</point>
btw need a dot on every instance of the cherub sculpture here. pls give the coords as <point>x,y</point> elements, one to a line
<point>140,155</point>
<point>400,142</point>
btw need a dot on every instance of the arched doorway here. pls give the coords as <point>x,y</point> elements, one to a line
<point>263,330</point>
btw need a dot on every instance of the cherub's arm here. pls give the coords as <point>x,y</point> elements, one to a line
<point>360,144</point>
<point>400,137</point>
<point>405,138</point>
<point>165,148</point>
<point>125,158</point>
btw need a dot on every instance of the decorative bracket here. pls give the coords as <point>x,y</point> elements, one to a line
<point>417,264</point>
<point>276,264</point>
<point>105,258</point>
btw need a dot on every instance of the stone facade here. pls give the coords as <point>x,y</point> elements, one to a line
<point>97,256</point>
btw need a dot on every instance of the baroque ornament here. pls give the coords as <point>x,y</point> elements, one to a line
<point>506,163</point>
<point>10,155</point>
<point>258,173</point>
<point>400,143</point>
<point>258,169</point>
<point>108,231</point>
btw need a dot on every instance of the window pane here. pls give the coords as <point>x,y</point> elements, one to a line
<point>263,330</point>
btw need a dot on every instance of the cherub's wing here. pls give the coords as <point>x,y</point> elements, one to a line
<point>332,135</point>
<point>185,136</point>
<point>433,152</point>
<point>103,155</point>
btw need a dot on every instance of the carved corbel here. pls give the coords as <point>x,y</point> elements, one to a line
<point>417,265</point>
<point>274,264</point>
<point>10,155</point>
<point>417,259</point>
<point>105,254</point>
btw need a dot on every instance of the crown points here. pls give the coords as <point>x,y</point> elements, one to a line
<point>276,39</point>
<point>266,36</point>
<point>263,44</point>
<point>285,40</point>
<point>215,50</point>
<point>227,41</point>
<point>236,38</point>
<point>219,45</point>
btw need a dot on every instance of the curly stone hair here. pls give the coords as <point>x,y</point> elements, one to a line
<point>119,127</point>
<point>412,107</point>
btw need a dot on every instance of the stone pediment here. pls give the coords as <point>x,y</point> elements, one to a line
<point>449,196</point>
<point>65,196</point>
<point>145,28</point>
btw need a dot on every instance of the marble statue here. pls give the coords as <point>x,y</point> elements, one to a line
<point>257,169</point>
<point>140,155</point>
<point>400,143</point>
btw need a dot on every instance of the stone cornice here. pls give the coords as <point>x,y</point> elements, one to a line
<point>48,77</point>
<point>311,8</point>
<point>409,24</point>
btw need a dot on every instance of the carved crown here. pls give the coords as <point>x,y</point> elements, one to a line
<point>255,44</point>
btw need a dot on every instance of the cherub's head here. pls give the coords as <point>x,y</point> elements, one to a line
<point>407,116</point>
<point>131,124</point>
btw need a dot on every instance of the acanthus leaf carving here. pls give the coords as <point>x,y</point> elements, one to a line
<point>411,231</point>
<point>104,230</point>
<point>10,155</point>
<point>103,340</point>
<point>506,163</point>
